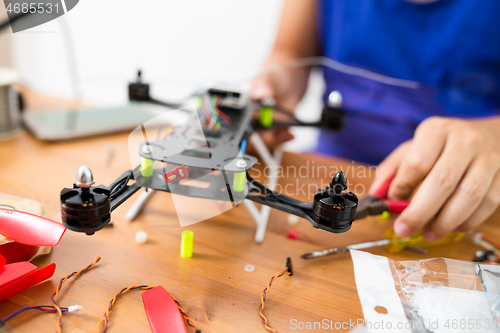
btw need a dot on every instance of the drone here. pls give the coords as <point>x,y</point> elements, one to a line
<point>221,126</point>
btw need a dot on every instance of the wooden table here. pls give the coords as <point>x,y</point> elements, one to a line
<point>213,287</point>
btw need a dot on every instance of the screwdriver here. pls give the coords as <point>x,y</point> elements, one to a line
<point>391,241</point>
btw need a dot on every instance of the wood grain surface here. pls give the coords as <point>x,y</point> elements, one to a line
<point>213,287</point>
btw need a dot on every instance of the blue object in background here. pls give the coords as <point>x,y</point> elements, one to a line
<point>450,47</point>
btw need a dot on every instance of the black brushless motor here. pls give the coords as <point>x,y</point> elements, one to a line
<point>85,208</point>
<point>333,208</point>
<point>138,91</point>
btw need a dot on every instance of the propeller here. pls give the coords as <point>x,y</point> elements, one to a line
<point>26,281</point>
<point>30,229</point>
<point>12,272</point>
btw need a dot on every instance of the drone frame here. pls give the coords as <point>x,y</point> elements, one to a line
<point>195,152</point>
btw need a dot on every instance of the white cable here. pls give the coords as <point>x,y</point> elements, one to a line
<point>343,68</point>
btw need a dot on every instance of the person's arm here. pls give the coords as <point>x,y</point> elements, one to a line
<point>297,38</point>
<point>457,162</point>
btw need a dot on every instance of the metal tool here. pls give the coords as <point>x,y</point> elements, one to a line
<point>392,243</point>
<point>344,248</point>
<point>378,203</point>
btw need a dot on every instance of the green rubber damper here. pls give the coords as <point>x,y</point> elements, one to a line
<point>266,117</point>
<point>239,181</point>
<point>198,102</point>
<point>146,167</point>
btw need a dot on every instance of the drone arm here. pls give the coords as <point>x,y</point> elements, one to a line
<point>284,207</point>
<point>332,209</point>
<point>120,191</point>
<point>122,197</point>
<point>332,118</point>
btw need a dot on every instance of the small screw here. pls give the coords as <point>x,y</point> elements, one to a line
<point>147,149</point>
<point>241,164</point>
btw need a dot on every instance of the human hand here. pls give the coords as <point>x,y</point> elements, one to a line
<point>457,162</point>
<point>286,87</point>
<point>263,89</point>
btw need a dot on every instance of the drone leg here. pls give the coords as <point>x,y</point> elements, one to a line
<point>139,204</point>
<point>261,218</point>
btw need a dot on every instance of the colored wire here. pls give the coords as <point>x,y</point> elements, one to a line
<point>221,114</point>
<point>213,120</point>
<point>264,296</point>
<point>205,110</point>
<point>493,261</point>
<point>214,113</point>
<point>243,146</point>
<point>492,243</point>
<point>58,289</point>
<point>104,321</point>
<point>188,320</point>
<point>225,118</point>
<point>215,117</point>
<point>45,308</point>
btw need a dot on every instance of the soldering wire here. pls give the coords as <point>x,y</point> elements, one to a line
<point>58,289</point>
<point>104,321</point>
<point>264,296</point>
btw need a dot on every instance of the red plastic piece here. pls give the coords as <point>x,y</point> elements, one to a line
<point>397,206</point>
<point>26,281</point>
<point>382,191</point>
<point>16,252</point>
<point>30,229</point>
<point>3,261</point>
<point>293,234</point>
<point>14,271</point>
<point>176,175</point>
<point>162,311</point>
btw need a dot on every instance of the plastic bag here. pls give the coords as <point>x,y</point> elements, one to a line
<point>490,278</point>
<point>433,295</point>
